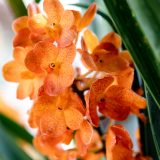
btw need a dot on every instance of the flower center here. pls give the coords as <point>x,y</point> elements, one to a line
<point>102,100</point>
<point>52,65</point>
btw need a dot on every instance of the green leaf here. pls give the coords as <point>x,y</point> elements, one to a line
<point>9,150</point>
<point>154,121</point>
<point>17,7</point>
<point>137,24</point>
<point>99,12</point>
<point>15,129</point>
<point>37,1</point>
<point>148,146</point>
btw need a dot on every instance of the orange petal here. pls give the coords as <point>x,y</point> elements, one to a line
<point>67,54</point>
<point>140,115</point>
<point>83,45</point>
<point>125,78</point>
<point>12,71</point>
<point>113,38</point>
<point>86,132</point>
<point>126,97</point>
<point>109,63</point>
<point>126,55</point>
<point>54,10</point>
<point>37,83</point>
<point>115,64</point>
<point>42,105</point>
<point>33,9</point>
<point>19,54</point>
<point>100,86</point>
<point>96,142</point>
<point>67,37</point>
<point>68,136</point>
<point>37,23</point>
<point>76,102</point>
<point>109,47</point>
<point>47,145</point>
<point>43,54</point>
<point>73,118</point>
<point>119,144</point>
<point>55,83</point>
<point>67,19</point>
<point>88,16</point>
<point>81,147</point>
<point>87,60</point>
<point>24,89</point>
<point>94,156</point>
<point>93,115</point>
<point>23,42</point>
<point>53,123</point>
<point>90,39</point>
<point>20,23</point>
<point>27,75</point>
<point>113,109</point>
<point>77,17</point>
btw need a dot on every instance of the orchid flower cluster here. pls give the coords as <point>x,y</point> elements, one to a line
<point>68,105</point>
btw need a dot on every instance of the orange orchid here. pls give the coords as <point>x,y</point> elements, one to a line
<point>58,26</point>
<point>23,27</point>
<point>51,146</point>
<point>53,115</point>
<point>118,144</point>
<point>61,23</point>
<point>114,97</point>
<point>16,71</point>
<point>53,62</point>
<point>104,55</point>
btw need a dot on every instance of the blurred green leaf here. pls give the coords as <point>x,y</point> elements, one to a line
<point>37,1</point>
<point>17,7</point>
<point>140,38</point>
<point>147,141</point>
<point>15,129</point>
<point>154,121</point>
<point>9,150</point>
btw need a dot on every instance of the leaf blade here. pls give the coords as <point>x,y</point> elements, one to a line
<point>15,129</point>
<point>9,148</point>
<point>17,7</point>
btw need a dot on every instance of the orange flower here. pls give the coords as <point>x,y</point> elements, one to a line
<point>51,146</point>
<point>15,71</point>
<point>61,22</point>
<point>105,56</point>
<point>82,22</point>
<point>54,63</point>
<point>114,97</point>
<point>52,115</point>
<point>23,27</point>
<point>118,144</point>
